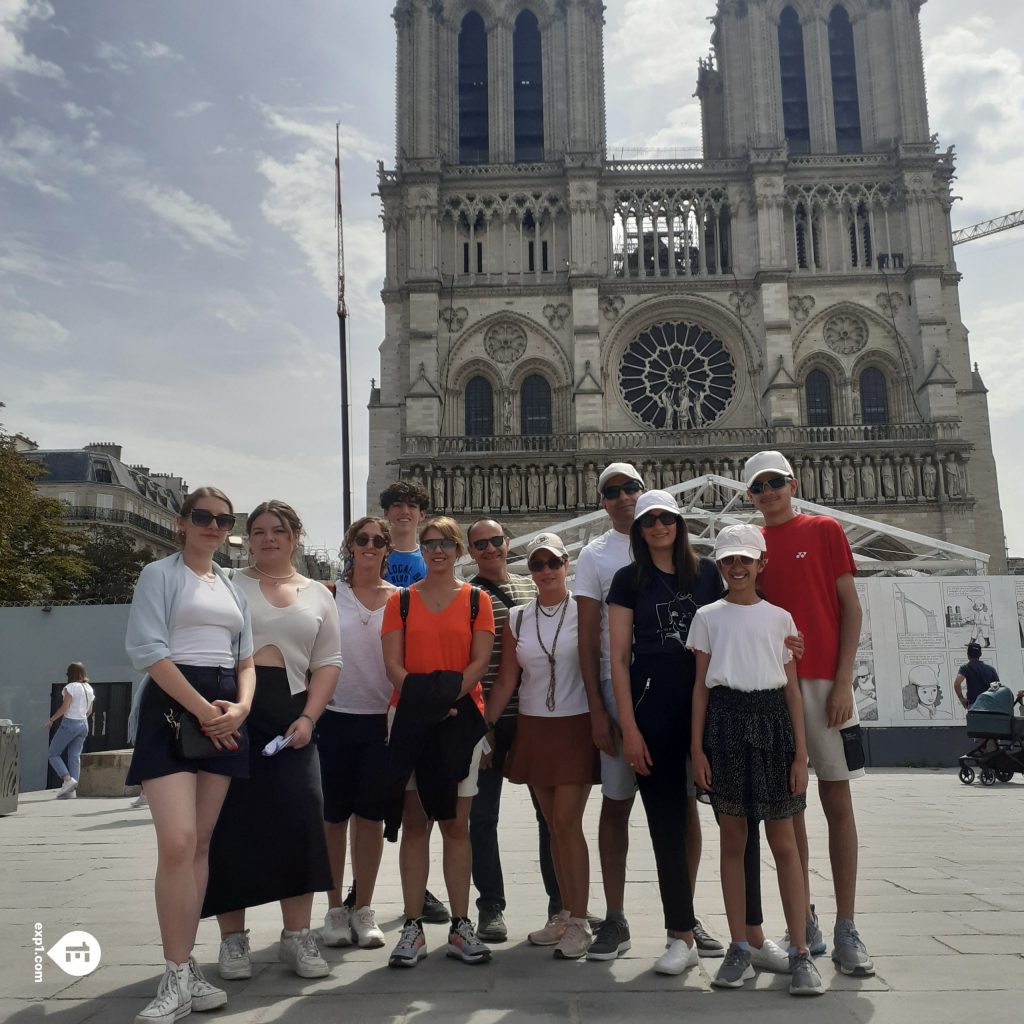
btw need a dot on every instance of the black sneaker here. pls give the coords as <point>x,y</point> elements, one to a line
<point>434,911</point>
<point>611,940</point>
<point>491,925</point>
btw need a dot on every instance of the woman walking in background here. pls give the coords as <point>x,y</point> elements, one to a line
<point>73,730</point>
<point>269,841</point>
<point>189,631</point>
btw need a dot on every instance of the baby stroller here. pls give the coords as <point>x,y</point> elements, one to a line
<point>991,719</point>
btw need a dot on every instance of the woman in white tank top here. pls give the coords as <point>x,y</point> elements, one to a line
<point>71,735</point>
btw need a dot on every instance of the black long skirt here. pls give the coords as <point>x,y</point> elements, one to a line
<point>269,840</point>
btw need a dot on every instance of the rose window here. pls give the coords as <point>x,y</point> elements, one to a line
<point>677,376</point>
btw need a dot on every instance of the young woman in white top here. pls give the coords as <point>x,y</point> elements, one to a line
<point>269,843</point>
<point>553,750</point>
<point>188,629</point>
<point>71,734</point>
<point>352,735</point>
<point>748,745</point>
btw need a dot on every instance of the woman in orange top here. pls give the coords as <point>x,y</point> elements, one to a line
<point>439,634</point>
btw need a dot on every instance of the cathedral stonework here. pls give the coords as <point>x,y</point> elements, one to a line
<point>549,310</point>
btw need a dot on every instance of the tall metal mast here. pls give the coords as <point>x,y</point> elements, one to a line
<point>346,426</point>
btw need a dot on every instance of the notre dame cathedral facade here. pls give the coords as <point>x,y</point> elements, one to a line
<point>549,309</point>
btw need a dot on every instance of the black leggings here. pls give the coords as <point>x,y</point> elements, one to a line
<point>661,706</point>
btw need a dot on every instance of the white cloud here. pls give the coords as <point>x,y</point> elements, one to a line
<point>187,218</point>
<point>15,18</point>
<point>648,46</point>
<point>113,56</point>
<point>74,112</point>
<point>153,50</point>
<point>193,109</point>
<point>32,330</point>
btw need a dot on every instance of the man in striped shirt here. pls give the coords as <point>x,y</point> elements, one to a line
<point>488,546</point>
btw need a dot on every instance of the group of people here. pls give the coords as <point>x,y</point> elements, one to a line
<point>280,727</point>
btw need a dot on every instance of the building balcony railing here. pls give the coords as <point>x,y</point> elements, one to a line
<point>723,438</point>
<point>87,513</point>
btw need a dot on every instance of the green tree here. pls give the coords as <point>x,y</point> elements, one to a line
<point>39,559</point>
<point>112,566</point>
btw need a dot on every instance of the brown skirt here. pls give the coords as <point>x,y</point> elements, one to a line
<point>553,752</point>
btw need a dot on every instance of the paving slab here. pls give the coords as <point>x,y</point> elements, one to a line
<point>941,907</point>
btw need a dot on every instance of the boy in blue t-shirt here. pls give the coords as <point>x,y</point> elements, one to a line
<point>404,504</point>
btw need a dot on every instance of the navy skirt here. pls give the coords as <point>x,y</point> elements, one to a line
<point>154,755</point>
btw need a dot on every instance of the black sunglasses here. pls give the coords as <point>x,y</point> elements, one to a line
<point>200,517</point>
<point>435,543</point>
<point>362,539</point>
<point>611,492</point>
<point>665,518</point>
<point>776,483</point>
<point>481,544</point>
<point>539,565</point>
<point>729,559</point>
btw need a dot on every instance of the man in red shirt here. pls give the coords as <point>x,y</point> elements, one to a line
<point>809,572</point>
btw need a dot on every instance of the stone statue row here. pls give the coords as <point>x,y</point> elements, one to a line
<point>824,479</point>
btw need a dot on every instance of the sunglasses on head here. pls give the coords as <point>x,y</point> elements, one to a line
<point>362,539</point>
<point>481,544</point>
<point>648,519</point>
<point>540,564</point>
<point>776,483</point>
<point>612,491</point>
<point>438,544</point>
<point>730,559</point>
<point>200,517</point>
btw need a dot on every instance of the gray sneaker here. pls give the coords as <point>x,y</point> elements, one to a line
<point>735,969</point>
<point>849,952</point>
<point>490,926</point>
<point>804,978</point>
<point>612,939</point>
<point>707,945</point>
<point>815,940</point>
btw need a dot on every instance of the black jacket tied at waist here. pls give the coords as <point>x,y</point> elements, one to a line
<point>437,746</point>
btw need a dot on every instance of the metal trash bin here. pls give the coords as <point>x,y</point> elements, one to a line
<point>10,765</point>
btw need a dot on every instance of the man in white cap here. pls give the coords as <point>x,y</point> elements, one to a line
<point>619,486</point>
<point>809,572</point>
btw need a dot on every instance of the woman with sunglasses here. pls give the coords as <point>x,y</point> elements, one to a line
<point>352,734</point>
<point>553,751</point>
<point>650,606</point>
<point>439,632</point>
<point>189,631</point>
<point>269,843</point>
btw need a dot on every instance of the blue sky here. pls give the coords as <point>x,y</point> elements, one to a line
<point>167,242</point>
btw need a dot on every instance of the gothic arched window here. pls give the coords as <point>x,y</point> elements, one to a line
<point>794,83</point>
<point>528,90</point>
<point>535,405</point>
<point>474,140</point>
<point>874,398</point>
<point>818,392</point>
<point>844,81</point>
<point>479,407</point>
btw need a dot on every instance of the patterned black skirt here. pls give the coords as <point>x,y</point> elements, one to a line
<point>748,739</point>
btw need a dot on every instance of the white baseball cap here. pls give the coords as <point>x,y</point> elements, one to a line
<point>739,539</point>
<point>618,469</point>
<point>656,501</point>
<point>766,462</point>
<point>547,542</point>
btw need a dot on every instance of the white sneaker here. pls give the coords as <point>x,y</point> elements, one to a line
<point>233,963</point>
<point>337,929</point>
<point>298,950</point>
<point>365,930</point>
<point>204,995</point>
<point>677,958</point>
<point>67,787</point>
<point>139,801</point>
<point>770,957</point>
<point>172,1000</point>
<point>551,934</point>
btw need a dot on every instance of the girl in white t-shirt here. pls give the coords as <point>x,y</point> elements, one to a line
<point>748,747</point>
<point>71,735</point>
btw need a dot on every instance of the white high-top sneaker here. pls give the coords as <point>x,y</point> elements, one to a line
<point>172,1001</point>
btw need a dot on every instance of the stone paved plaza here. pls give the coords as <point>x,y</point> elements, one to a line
<point>941,909</point>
